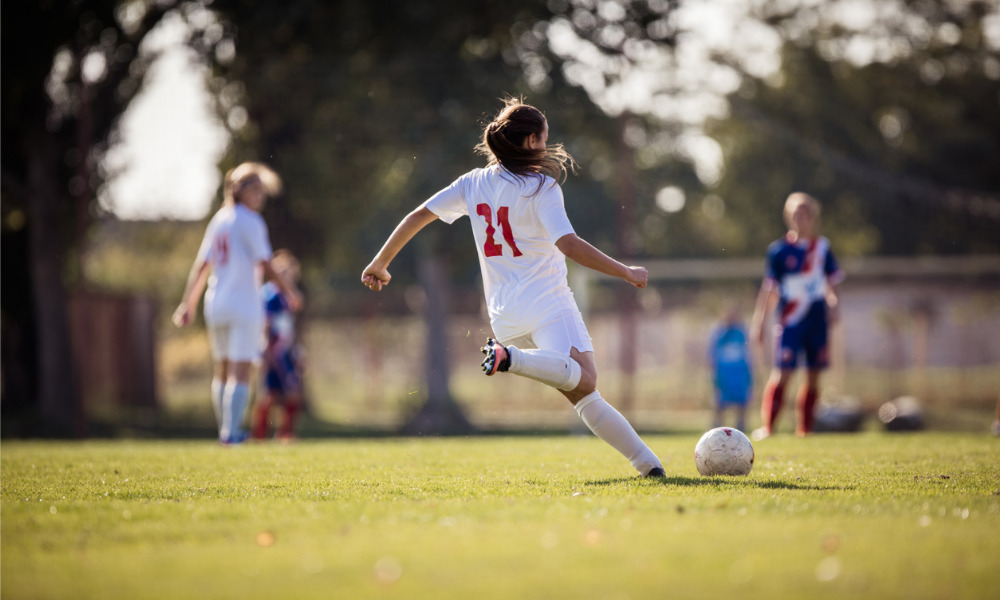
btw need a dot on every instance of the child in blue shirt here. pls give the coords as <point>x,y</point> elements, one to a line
<point>729,358</point>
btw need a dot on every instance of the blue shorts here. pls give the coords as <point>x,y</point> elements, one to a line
<point>281,376</point>
<point>809,337</point>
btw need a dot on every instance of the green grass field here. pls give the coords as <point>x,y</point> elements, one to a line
<point>871,515</point>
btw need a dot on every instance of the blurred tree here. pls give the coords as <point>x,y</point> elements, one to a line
<point>887,111</point>
<point>69,69</point>
<point>902,153</point>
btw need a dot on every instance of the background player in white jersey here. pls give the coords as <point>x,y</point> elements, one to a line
<point>234,256</point>
<point>523,237</point>
<point>801,273</point>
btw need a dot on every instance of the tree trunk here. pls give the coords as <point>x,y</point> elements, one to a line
<point>626,250</point>
<point>440,414</point>
<point>59,404</point>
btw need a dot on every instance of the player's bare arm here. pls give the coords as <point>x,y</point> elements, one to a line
<point>833,304</point>
<point>376,274</point>
<point>197,279</point>
<point>766,299</point>
<point>582,253</point>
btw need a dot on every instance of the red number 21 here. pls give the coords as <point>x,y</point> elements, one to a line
<point>491,248</point>
<point>222,249</point>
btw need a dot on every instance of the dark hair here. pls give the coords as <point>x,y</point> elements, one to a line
<point>503,144</point>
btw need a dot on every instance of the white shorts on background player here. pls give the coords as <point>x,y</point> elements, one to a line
<point>235,242</point>
<point>524,274</point>
<point>236,342</point>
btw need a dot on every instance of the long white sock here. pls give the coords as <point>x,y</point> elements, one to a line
<point>218,389</point>
<point>550,367</point>
<point>234,402</point>
<point>609,425</point>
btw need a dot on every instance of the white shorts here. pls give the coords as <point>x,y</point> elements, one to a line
<point>236,342</point>
<point>565,330</point>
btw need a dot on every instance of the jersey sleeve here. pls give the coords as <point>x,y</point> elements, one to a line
<point>449,204</point>
<point>205,250</point>
<point>772,272</point>
<point>258,241</point>
<point>274,303</point>
<point>832,268</point>
<point>551,211</point>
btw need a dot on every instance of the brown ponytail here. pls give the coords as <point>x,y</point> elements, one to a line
<point>503,144</point>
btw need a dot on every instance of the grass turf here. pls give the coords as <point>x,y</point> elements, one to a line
<point>870,515</point>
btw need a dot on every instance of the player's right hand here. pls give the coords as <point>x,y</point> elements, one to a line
<point>375,278</point>
<point>294,299</point>
<point>182,316</point>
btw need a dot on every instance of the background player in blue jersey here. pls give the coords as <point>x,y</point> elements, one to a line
<point>800,276</point>
<point>729,357</point>
<point>282,375</point>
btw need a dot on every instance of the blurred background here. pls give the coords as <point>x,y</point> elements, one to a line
<point>691,122</point>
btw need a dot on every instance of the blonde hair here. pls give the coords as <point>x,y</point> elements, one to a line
<point>794,200</point>
<point>238,177</point>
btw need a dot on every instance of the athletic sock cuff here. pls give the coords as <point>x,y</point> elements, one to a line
<point>587,401</point>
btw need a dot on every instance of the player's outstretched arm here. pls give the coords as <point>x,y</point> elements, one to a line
<point>376,274</point>
<point>582,253</point>
<point>196,281</point>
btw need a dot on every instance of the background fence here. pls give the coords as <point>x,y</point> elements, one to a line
<point>930,329</point>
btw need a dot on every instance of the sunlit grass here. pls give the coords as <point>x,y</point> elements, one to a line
<point>864,516</point>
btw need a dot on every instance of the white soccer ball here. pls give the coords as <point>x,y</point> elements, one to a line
<point>723,451</point>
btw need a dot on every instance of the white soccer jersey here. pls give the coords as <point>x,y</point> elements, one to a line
<point>235,242</point>
<point>524,274</point>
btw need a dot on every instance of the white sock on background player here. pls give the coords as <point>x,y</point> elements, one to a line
<point>609,425</point>
<point>234,402</point>
<point>218,392</point>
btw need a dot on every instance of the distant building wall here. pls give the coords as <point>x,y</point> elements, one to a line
<point>114,347</point>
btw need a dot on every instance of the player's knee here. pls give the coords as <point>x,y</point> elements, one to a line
<point>587,385</point>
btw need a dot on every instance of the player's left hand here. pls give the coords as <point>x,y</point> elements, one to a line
<point>637,276</point>
<point>832,314</point>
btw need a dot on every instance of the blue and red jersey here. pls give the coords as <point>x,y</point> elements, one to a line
<point>280,357</point>
<point>801,271</point>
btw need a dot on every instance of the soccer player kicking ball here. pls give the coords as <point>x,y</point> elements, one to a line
<point>235,246</point>
<point>523,237</point>
<point>800,276</point>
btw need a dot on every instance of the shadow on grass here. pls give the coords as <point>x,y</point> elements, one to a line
<point>720,481</point>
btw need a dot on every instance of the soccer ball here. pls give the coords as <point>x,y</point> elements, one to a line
<point>723,451</point>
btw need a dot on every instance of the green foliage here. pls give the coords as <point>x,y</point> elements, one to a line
<point>366,110</point>
<point>830,130</point>
<point>893,126</point>
<point>149,258</point>
<point>865,516</point>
